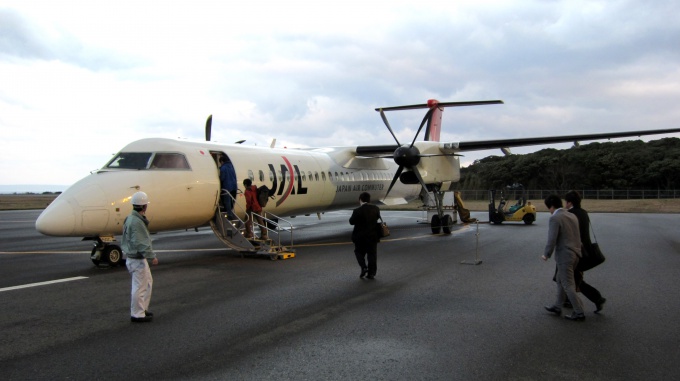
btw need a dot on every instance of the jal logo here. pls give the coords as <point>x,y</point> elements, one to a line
<point>285,188</point>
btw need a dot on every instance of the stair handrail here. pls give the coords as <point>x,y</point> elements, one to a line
<point>224,191</point>
<point>276,222</point>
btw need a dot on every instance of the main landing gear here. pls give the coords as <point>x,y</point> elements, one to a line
<point>441,222</point>
<point>106,254</point>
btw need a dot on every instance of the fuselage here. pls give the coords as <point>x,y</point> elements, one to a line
<point>181,179</point>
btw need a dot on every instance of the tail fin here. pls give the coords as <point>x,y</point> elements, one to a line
<point>434,125</point>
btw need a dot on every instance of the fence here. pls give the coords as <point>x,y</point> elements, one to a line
<point>596,194</point>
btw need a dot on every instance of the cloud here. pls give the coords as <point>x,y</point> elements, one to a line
<point>81,79</point>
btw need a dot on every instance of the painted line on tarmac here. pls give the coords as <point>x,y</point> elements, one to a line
<point>42,283</point>
<point>43,252</point>
<point>381,240</point>
<point>88,252</point>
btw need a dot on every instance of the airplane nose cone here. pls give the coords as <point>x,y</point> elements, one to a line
<point>58,219</point>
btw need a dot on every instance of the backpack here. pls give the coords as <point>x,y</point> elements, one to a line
<point>262,195</point>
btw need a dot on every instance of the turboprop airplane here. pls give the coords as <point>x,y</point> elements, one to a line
<point>181,178</point>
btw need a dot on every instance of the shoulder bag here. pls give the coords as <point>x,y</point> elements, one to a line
<point>593,256</point>
<point>383,230</point>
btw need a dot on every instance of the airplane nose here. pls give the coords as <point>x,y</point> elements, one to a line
<point>58,219</point>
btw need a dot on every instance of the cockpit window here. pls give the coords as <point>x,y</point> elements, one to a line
<point>169,161</point>
<point>130,160</point>
<point>148,160</point>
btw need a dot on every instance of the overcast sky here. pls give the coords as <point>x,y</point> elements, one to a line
<point>81,79</point>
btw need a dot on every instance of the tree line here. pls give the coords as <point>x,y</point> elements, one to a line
<point>610,165</point>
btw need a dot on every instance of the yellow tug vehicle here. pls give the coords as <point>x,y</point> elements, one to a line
<point>522,210</point>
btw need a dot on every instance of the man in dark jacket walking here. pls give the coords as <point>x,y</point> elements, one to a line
<point>573,200</point>
<point>365,235</point>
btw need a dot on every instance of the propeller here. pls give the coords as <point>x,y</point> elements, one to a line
<point>407,156</point>
<point>208,128</point>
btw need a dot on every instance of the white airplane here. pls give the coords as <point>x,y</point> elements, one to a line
<point>182,180</point>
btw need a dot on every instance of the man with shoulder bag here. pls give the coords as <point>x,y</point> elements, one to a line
<point>366,235</point>
<point>590,256</point>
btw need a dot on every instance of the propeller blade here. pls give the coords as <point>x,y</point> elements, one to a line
<point>415,170</point>
<point>384,118</point>
<point>208,128</point>
<point>427,116</point>
<point>394,180</point>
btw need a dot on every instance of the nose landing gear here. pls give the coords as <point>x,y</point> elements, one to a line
<point>106,254</point>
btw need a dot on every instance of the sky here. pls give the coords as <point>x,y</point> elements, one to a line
<point>81,79</point>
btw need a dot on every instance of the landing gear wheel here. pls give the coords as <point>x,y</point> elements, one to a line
<point>447,224</point>
<point>435,224</point>
<point>113,255</point>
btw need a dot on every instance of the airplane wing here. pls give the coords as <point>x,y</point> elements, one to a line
<point>386,151</point>
<point>506,143</point>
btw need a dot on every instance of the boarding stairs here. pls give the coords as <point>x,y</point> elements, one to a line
<point>232,233</point>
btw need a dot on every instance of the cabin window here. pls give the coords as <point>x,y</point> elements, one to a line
<point>287,176</point>
<point>330,176</point>
<point>304,177</point>
<point>251,176</point>
<point>310,175</point>
<point>316,176</point>
<point>336,176</point>
<point>169,161</point>
<point>261,176</point>
<point>130,160</point>
<point>271,176</point>
<point>323,176</point>
<point>279,175</point>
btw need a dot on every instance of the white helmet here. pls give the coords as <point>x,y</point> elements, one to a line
<point>140,198</point>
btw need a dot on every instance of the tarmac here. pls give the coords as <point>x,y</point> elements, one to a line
<point>426,316</point>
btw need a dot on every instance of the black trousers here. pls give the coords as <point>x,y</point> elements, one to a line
<point>587,290</point>
<point>364,251</point>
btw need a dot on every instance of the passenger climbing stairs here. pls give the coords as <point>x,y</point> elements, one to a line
<point>232,233</point>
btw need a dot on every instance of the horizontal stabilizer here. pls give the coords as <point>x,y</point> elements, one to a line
<point>440,104</point>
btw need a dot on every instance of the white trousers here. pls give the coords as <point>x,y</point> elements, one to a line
<point>142,282</point>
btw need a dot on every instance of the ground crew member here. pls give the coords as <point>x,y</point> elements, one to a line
<point>136,245</point>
